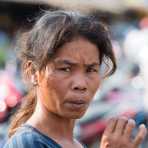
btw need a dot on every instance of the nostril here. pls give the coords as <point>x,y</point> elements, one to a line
<point>80,88</point>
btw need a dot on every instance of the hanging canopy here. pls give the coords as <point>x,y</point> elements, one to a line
<point>87,5</point>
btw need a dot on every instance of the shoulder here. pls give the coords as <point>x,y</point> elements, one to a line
<point>26,138</point>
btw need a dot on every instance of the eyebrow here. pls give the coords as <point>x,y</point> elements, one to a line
<point>68,62</point>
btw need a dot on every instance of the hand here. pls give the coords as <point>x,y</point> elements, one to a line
<point>118,134</point>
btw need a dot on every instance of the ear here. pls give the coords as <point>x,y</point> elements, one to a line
<point>38,76</point>
<point>33,75</point>
<point>28,70</point>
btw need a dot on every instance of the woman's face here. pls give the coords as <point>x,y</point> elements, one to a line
<point>70,80</point>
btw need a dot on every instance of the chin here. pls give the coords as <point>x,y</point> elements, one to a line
<point>75,115</point>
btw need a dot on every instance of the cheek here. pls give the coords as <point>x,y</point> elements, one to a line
<point>47,93</point>
<point>95,84</point>
<point>48,96</point>
<point>58,87</point>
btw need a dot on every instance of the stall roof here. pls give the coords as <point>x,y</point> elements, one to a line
<point>84,5</point>
<point>87,5</point>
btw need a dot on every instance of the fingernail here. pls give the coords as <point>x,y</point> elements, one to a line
<point>131,121</point>
<point>143,127</point>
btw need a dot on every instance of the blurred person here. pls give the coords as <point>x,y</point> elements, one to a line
<point>136,50</point>
<point>61,59</point>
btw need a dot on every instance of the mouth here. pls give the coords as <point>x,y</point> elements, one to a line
<point>76,104</point>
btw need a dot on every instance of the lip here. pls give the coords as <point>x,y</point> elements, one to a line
<point>77,101</point>
<point>76,104</point>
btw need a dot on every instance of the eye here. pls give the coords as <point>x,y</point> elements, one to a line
<point>65,69</point>
<point>91,69</point>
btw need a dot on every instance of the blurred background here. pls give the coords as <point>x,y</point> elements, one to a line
<point>124,93</point>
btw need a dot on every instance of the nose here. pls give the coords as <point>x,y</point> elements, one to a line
<point>79,83</point>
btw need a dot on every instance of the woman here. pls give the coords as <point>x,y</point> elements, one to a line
<point>61,57</point>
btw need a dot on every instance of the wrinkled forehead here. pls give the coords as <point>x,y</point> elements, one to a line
<point>79,50</point>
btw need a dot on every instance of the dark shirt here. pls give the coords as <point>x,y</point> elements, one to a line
<point>29,137</point>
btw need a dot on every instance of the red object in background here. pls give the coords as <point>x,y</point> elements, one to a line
<point>144,22</point>
<point>13,98</point>
<point>9,95</point>
<point>3,110</point>
<point>129,113</point>
<point>91,130</point>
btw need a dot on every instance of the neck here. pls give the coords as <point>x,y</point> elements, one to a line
<point>52,125</point>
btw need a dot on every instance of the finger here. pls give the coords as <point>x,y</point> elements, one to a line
<point>120,126</point>
<point>129,127</point>
<point>110,126</point>
<point>140,135</point>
